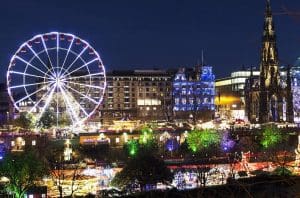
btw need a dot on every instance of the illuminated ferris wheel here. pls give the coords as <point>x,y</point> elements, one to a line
<point>58,73</point>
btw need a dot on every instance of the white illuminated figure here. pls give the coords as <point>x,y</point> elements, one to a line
<point>59,72</point>
<point>68,150</point>
<point>297,151</point>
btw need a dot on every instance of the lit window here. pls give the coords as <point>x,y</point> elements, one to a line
<point>33,142</point>
<point>117,140</point>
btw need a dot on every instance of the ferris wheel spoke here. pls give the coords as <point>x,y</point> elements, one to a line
<point>67,55</point>
<point>57,50</point>
<point>100,74</point>
<point>86,85</point>
<point>66,103</point>
<point>78,56</point>
<point>69,104</point>
<point>82,66</point>
<point>82,109</point>
<point>25,74</point>
<point>40,100</point>
<point>48,100</point>
<point>27,85</point>
<point>29,95</point>
<point>37,56</point>
<point>46,50</point>
<point>29,64</point>
<point>85,96</point>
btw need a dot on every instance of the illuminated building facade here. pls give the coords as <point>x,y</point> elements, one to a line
<point>230,94</point>
<point>296,91</point>
<point>295,87</point>
<point>269,99</point>
<point>194,93</point>
<point>137,95</point>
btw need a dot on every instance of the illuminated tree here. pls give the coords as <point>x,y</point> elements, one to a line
<point>146,136</point>
<point>132,147</point>
<point>24,121</point>
<point>63,120</point>
<point>277,147</point>
<point>65,174</point>
<point>226,143</point>
<point>271,137</point>
<point>23,171</point>
<point>47,120</point>
<point>198,140</point>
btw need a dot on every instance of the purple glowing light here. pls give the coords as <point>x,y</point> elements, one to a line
<point>227,143</point>
<point>172,145</point>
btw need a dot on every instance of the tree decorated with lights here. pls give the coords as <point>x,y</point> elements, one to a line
<point>22,170</point>
<point>47,120</point>
<point>198,140</point>
<point>24,121</point>
<point>146,135</point>
<point>276,145</point>
<point>226,143</point>
<point>271,137</point>
<point>132,147</point>
<point>145,143</point>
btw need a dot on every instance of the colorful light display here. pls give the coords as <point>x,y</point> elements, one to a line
<point>194,94</point>
<point>198,140</point>
<point>172,144</point>
<point>56,71</point>
<point>271,137</point>
<point>227,144</point>
<point>146,136</point>
<point>132,147</point>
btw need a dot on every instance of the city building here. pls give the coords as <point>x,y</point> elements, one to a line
<point>137,95</point>
<point>5,106</point>
<point>295,72</point>
<point>230,94</point>
<point>295,87</point>
<point>132,97</point>
<point>194,93</point>
<point>270,98</point>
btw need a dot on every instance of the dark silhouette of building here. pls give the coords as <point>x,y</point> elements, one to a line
<point>5,106</point>
<point>269,99</point>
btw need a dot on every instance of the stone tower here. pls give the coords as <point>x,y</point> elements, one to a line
<point>270,101</point>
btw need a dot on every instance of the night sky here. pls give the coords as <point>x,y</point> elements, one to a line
<point>155,33</point>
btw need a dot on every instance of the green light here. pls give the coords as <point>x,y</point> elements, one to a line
<point>132,147</point>
<point>271,137</point>
<point>198,140</point>
<point>194,149</point>
<point>147,134</point>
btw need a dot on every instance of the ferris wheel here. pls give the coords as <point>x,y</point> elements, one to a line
<point>58,73</point>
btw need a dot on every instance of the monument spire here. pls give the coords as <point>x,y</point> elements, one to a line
<point>269,71</point>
